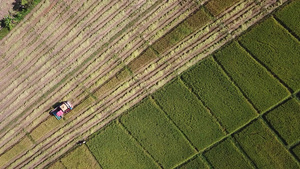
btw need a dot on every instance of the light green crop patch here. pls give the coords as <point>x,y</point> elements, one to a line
<point>290,16</point>
<point>194,163</point>
<point>20,147</point>
<point>277,49</point>
<point>112,83</point>
<point>255,81</point>
<point>285,120</point>
<point>81,157</point>
<point>45,127</point>
<point>188,114</point>
<point>113,148</point>
<point>56,165</point>
<point>219,94</point>
<point>225,155</point>
<point>182,30</point>
<point>263,148</point>
<point>145,58</point>
<point>157,135</point>
<point>216,7</point>
<point>86,103</point>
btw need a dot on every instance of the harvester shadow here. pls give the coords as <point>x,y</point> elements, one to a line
<point>53,107</point>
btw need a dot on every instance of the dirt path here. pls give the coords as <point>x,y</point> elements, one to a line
<point>92,59</point>
<point>6,6</point>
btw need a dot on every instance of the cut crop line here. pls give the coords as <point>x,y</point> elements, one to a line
<point>265,66</point>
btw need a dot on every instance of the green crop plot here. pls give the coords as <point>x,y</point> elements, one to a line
<point>226,155</point>
<point>23,145</point>
<point>190,24</point>
<point>218,6</point>
<point>188,114</point>
<point>263,148</point>
<point>113,148</point>
<point>257,84</point>
<point>219,94</point>
<point>145,58</point>
<point>285,120</point>
<point>296,150</point>
<point>290,16</point>
<point>157,135</point>
<point>277,49</point>
<point>194,163</point>
<point>81,157</point>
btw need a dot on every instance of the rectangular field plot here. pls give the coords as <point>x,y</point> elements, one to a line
<point>218,6</point>
<point>263,148</point>
<point>18,148</point>
<point>193,163</point>
<point>81,157</point>
<point>219,94</point>
<point>113,148</point>
<point>255,81</point>
<point>190,24</point>
<point>296,151</point>
<point>188,114</point>
<point>285,119</point>
<point>290,16</point>
<point>272,45</point>
<point>157,135</point>
<point>225,155</point>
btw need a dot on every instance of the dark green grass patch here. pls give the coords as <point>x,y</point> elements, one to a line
<point>296,150</point>
<point>194,163</point>
<point>188,114</point>
<point>285,119</point>
<point>218,6</point>
<point>225,155</point>
<point>113,148</point>
<point>255,81</point>
<point>3,32</point>
<point>290,16</point>
<point>219,94</point>
<point>157,135</point>
<point>190,24</point>
<point>263,148</point>
<point>277,49</point>
<point>81,157</point>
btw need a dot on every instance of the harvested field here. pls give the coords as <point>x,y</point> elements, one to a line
<point>104,57</point>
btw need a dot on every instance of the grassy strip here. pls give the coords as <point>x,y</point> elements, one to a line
<point>226,155</point>
<point>10,21</point>
<point>285,120</point>
<point>195,122</point>
<point>263,148</point>
<point>218,6</point>
<point>296,150</point>
<point>113,148</point>
<point>290,16</point>
<point>190,24</point>
<point>258,85</point>
<point>23,145</point>
<point>156,134</point>
<point>219,94</point>
<point>278,50</point>
<point>193,163</point>
<point>81,157</point>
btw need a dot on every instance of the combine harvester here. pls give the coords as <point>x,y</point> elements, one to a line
<point>61,109</point>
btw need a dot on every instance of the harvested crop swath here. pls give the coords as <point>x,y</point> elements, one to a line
<point>263,148</point>
<point>113,148</point>
<point>218,6</point>
<point>21,146</point>
<point>81,157</point>
<point>219,94</point>
<point>194,163</point>
<point>253,79</point>
<point>226,155</point>
<point>156,134</point>
<point>290,16</point>
<point>278,50</point>
<point>188,114</point>
<point>285,120</point>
